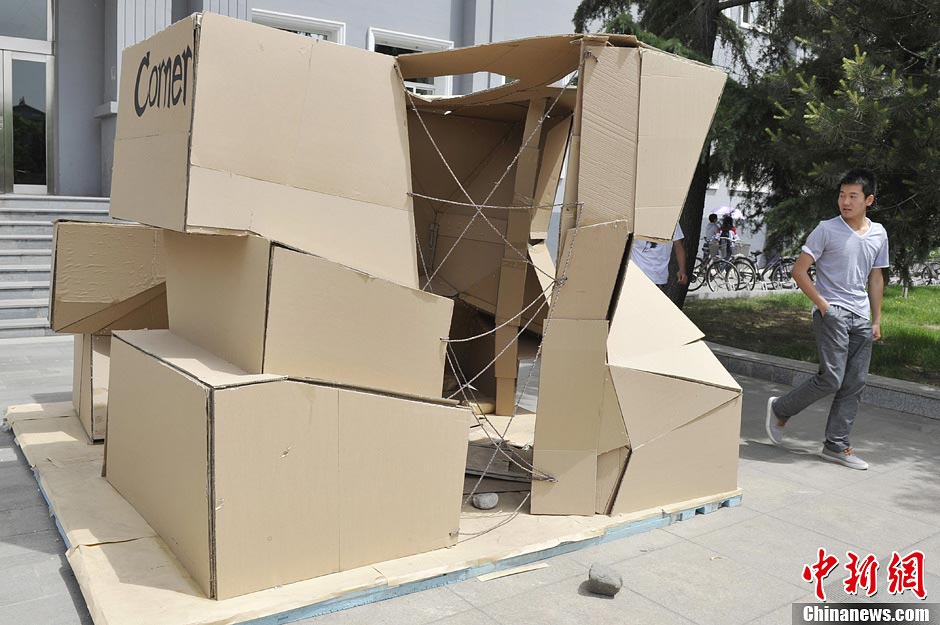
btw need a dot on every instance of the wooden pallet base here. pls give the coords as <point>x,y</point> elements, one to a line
<point>128,576</point>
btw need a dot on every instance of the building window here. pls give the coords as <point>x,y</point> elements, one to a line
<point>325,30</point>
<point>395,43</point>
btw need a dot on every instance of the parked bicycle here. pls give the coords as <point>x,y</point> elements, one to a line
<point>716,273</point>
<point>776,274</point>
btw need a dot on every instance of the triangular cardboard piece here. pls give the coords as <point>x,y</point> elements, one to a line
<point>612,433</point>
<point>654,404</point>
<point>686,362</point>
<point>573,491</point>
<point>699,459</point>
<point>645,320</point>
<point>610,466</point>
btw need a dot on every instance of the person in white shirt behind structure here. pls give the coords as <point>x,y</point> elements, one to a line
<point>849,251</point>
<point>653,259</point>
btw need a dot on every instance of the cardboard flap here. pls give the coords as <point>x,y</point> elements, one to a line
<point>610,467</point>
<point>591,270</point>
<point>699,459</point>
<point>609,116</point>
<point>190,359</point>
<point>612,432</point>
<point>645,320</point>
<point>573,491</point>
<point>102,271</point>
<point>678,99</point>
<point>693,362</point>
<point>653,405</point>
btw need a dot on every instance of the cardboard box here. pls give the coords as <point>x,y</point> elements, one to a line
<point>91,364</point>
<point>106,276</point>
<point>256,481</point>
<point>267,308</point>
<point>262,143</point>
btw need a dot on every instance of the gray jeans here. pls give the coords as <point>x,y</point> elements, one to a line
<point>843,340</point>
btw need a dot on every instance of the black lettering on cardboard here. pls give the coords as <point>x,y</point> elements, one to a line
<point>187,55</point>
<point>165,68</point>
<point>177,90</point>
<point>153,88</point>
<point>138,107</point>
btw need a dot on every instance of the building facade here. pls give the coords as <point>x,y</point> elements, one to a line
<point>60,63</point>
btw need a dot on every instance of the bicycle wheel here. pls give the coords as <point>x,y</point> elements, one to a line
<point>722,276</point>
<point>926,276</point>
<point>748,273</point>
<point>697,277</point>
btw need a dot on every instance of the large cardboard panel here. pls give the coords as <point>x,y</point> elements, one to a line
<point>102,272</point>
<point>678,99</point>
<point>151,149</point>
<point>612,433</point>
<point>679,466</point>
<point>609,117</point>
<point>645,320</point>
<point>166,479</point>
<point>571,385</point>
<point>472,356</point>
<point>276,506</point>
<point>90,383</point>
<point>694,362</point>
<point>653,404</point>
<point>591,270</point>
<point>573,491</point>
<point>329,322</point>
<point>610,466</point>
<point>369,237</point>
<point>413,497</point>
<point>217,294</point>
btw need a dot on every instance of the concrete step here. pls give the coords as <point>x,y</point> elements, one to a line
<point>36,308</point>
<point>51,214</point>
<point>24,290</point>
<point>25,241</point>
<point>25,257</point>
<point>11,328</point>
<point>55,202</point>
<point>24,273</point>
<point>25,227</point>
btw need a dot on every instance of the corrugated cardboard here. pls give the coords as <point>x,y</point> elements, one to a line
<point>678,98</point>
<point>645,320</point>
<point>609,117</point>
<point>612,432</point>
<point>696,460</point>
<point>106,276</point>
<point>554,144</point>
<point>571,385</point>
<point>255,481</point>
<point>694,362</point>
<point>610,467</point>
<point>90,383</point>
<point>591,270</point>
<point>266,308</point>
<point>573,492</point>
<point>258,146</point>
<point>655,404</point>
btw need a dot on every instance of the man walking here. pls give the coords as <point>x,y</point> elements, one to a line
<point>849,252</point>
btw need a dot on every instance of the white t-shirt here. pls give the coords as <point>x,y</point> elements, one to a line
<point>844,259</point>
<point>653,258</point>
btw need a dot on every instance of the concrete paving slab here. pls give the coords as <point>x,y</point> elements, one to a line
<point>568,602</point>
<point>419,608</point>
<point>780,616</point>
<point>911,490</point>
<point>843,518</point>
<point>480,593</point>
<point>765,493</point>
<point>23,585</point>
<point>704,523</point>
<point>625,548</point>
<point>706,586</point>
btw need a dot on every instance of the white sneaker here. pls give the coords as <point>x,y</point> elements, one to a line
<point>845,457</point>
<point>774,431</point>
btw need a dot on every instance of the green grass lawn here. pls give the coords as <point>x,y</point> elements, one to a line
<point>781,325</point>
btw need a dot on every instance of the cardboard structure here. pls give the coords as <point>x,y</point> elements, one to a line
<point>91,364</point>
<point>297,480</point>
<point>321,263</point>
<point>267,308</point>
<point>106,276</point>
<point>217,136</point>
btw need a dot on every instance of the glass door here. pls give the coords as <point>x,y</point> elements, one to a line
<point>26,94</point>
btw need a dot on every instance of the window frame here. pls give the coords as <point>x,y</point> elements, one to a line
<point>331,30</point>
<point>443,85</point>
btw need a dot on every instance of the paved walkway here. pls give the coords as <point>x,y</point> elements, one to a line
<point>736,566</point>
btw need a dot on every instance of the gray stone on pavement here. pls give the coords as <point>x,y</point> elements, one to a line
<point>603,580</point>
<point>485,501</point>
